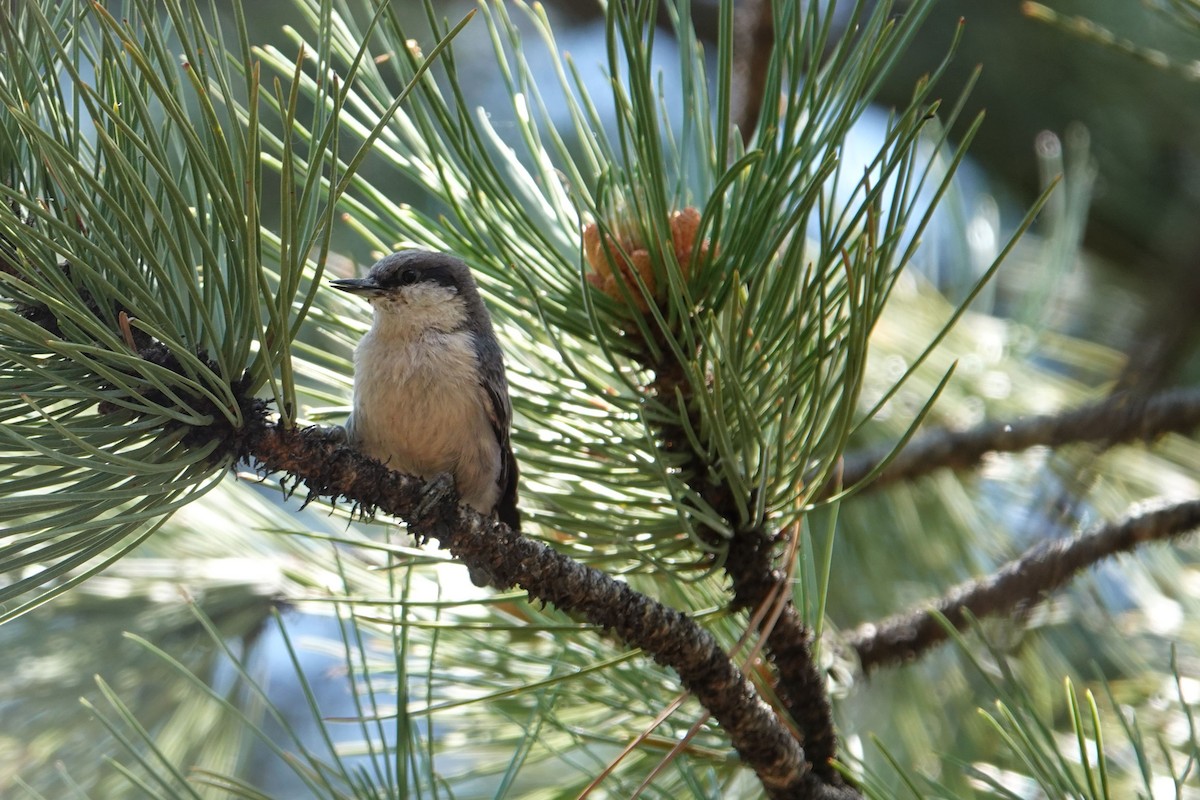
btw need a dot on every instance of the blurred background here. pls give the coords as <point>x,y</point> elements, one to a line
<point>1137,100</point>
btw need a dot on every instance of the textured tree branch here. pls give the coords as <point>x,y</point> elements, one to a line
<point>750,553</point>
<point>320,462</point>
<point>1120,418</point>
<point>1040,571</point>
<point>671,638</point>
<point>750,564</point>
<point>750,561</point>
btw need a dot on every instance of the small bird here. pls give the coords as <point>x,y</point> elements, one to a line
<point>430,395</point>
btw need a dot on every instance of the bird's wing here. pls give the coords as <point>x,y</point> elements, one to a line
<point>495,386</point>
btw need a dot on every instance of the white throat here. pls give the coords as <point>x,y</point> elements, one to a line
<point>418,310</point>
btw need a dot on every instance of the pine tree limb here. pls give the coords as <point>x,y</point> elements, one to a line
<point>750,564</point>
<point>327,468</point>
<point>1041,570</point>
<point>750,561</point>
<point>1117,419</point>
<point>321,463</point>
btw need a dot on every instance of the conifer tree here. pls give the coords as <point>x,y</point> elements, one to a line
<point>720,356</point>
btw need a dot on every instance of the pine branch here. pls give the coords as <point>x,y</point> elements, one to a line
<point>1040,571</point>
<point>750,559</point>
<point>671,638</point>
<point>704,394</point>
<point>1120,418</point>
<point>328,468</point>
<point>750,564</point>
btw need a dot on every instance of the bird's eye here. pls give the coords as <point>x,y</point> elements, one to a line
<point>407,277</point>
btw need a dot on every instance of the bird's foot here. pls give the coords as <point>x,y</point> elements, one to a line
<point>433,514</point>
<point>333,434</point>
<point>440,492</point>
<point>438,499</point>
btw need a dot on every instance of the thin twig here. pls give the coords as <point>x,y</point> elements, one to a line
<point>1120,418</point>
<point>1040,571</point>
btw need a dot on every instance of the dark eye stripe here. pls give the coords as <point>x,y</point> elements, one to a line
<point>442,276</point>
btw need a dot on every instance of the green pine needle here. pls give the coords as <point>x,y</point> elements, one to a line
<point>150,302</point>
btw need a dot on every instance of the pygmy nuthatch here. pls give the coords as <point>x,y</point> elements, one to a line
<point>430,396</point>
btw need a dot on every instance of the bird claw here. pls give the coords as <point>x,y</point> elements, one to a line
<point>439,491</point>
<point>333,434</point>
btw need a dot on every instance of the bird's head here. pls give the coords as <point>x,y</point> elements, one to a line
<point>426,289</point>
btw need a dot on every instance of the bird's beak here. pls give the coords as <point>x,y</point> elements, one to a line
<point>355,285</point>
